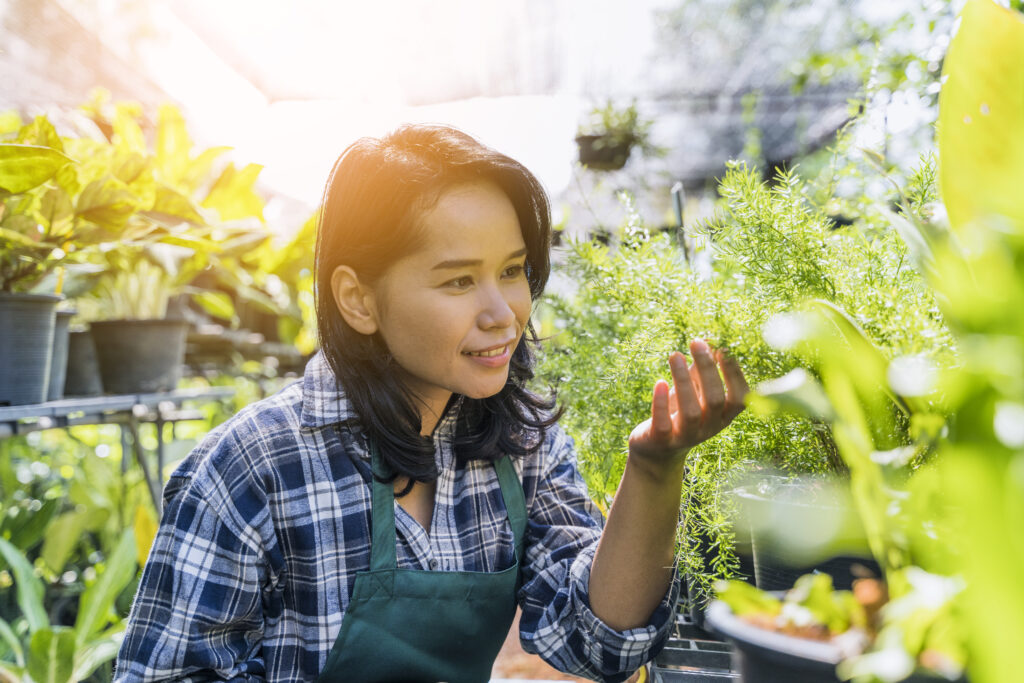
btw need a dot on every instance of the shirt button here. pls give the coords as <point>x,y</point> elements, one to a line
<point>433,564</point>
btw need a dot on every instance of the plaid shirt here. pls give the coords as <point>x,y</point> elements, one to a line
<point>267,521</point>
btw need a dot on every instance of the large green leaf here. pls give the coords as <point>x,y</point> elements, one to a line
<point>234,195</point>
<point>101,650</point>
<point>23,167</point>
<point>107,202</point>
<point>31,532</point>
<point>127,131</point>
<point>55,206</point>
<point>796,391</point>
<point>981,116</point>
<point>199,168</point>
<point>51,655</point>
<point>18,236</point>
<point>40,132</point>
<point>173,145</point>
<point>217,304</point>
<point>61,538</point>
<point>9,637</point>
<point>94,609</point>
<point>171,206</point>
<point>30,588</point>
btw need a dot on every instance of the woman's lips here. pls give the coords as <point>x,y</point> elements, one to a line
<point>501,356</point>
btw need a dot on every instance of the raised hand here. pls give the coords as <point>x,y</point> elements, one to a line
<point>693,410</point>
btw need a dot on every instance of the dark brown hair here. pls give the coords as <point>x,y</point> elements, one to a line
<point>368,220</point>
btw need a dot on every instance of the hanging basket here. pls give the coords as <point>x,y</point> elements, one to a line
<point>603,152</point>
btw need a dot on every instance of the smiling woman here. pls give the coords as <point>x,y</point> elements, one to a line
<point>382,519</point>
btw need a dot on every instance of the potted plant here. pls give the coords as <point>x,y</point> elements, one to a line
<point>606,140</point>
<point>771,249</point>
<point>42,226</point>
<point>182,223</point>
<point>945,534</point>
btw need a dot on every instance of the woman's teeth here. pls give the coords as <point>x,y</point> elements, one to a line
<point>487,354</point>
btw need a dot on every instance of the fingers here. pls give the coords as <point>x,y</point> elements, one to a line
<point>688,407</point>
<point>661,414</point>
<point>710,385</point>
<point>735,385</point>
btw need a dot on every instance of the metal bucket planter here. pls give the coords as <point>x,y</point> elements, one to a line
<point>139,356</point>
<point>83,370</point>
<point>59,355</point>
<point>26,340</point>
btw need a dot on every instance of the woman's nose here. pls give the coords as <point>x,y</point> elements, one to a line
<point>496,310</point>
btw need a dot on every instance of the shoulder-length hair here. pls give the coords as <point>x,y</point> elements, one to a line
<point>368,220</point>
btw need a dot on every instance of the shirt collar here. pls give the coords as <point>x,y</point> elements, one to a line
<point>324,401</point>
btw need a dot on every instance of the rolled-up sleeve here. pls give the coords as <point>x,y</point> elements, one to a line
<point>557,622</point>
<point>197,615</point>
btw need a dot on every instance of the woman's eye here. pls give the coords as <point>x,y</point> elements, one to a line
<point>461,282</point>
<point>514,271</point>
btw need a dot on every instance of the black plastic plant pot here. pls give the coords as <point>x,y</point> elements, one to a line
<point>602,152</point>
<point>763,656</point>
<point>26,341</point>
<point>83,370</point>
<point>791,535</point>
<point>59,355</point>
<point>139,356</point>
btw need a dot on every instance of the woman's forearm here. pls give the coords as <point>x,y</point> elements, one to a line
<point>633,565</point>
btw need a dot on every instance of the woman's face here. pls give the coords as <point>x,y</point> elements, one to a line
<point>453,311</point>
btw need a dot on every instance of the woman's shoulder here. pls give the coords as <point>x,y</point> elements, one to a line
<point>246,444</point>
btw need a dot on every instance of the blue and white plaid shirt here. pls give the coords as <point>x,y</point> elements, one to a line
<point>267,521</point>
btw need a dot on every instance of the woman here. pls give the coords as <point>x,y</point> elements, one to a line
<point>281,554</point>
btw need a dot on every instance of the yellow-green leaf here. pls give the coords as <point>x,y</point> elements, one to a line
<point>51,655</point>
<point>981,116</point>
<point>10,121</point>
<point>95,606</point>
<point>106,202</point>
<point>55,206</point>
<point>217,304</point>
<point>20,229</point>
<point>171,206</point>
<point>23,167</point>
<point>42,133</point>
<point>199,168</point>
<point>128,166</point>
<point>234,196</point>
<point>127,132</point>
<point>145,532</point>
<point>172,144</point>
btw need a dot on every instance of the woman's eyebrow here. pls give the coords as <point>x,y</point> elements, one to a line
<point>464,263</point>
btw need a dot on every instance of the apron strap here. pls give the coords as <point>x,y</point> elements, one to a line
<point>382,545</point>
<point>515,501</point>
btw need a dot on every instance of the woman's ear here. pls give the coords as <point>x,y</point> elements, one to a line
<point>354,300</point>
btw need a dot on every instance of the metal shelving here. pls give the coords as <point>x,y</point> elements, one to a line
<point>129,411</point>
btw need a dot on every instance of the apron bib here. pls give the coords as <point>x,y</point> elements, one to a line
<point>415,625</point>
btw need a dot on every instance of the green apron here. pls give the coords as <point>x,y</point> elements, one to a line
<point>415,625</point>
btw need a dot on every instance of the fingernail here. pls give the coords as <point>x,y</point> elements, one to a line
<point>676,360</point>
<point>700,345</point>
